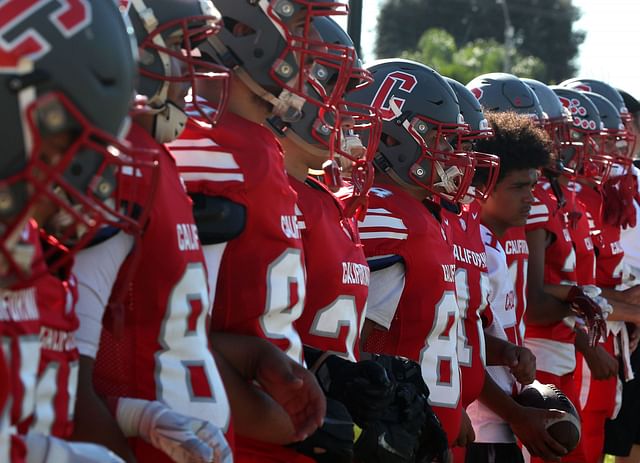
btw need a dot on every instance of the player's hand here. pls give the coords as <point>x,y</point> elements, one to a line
<point>295,389</point>
<point>595,293</point>
<point>183,438</point>
<point>466,435</point>
<point>585,307</point>
<point>529,426</point>
<point>49,449</point>
<point>602,364</point>
<point>521,362</point>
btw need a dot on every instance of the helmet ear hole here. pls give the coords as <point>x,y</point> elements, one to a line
<point>389,141</point>
<point>239,29</point>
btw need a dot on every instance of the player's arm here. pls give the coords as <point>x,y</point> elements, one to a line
<point>255,414</point>
<point>385,290</point>
<point>527,423</point>
<point>520,360</point>
<point>542,307</point>
<point>93,421</point>
<point>626,304</point>
<point>602,364</point>
<point>293,388</point>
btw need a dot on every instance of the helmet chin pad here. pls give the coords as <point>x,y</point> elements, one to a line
<point>168,123</point>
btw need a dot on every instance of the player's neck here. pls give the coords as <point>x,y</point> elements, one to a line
<point>497,227</point>
<point>244,103</point>
<point>297,162</point>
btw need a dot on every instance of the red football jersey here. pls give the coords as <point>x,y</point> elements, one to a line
<point>20,334</point>
<point>262,270</point>
<point>162,352</point>
<point>337,272</point>
<point>20,340</point>
<point>261,282</point>
<point>514,243</point>
<point>606,239</point>
<point>472,288</point>
<point>580,227</point>
<point>59,357</point>
<point>424,327</point>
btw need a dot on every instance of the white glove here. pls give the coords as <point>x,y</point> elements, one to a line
<point>595,294</point>
<point>49,449</point>
<point>184,439</point>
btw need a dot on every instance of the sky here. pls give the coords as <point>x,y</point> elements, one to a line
<point>610,52</point>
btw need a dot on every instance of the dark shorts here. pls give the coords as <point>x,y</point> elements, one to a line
<point>623,432</point>
<point>494,453</point>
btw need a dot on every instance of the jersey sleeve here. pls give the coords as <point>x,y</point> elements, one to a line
<point>539,215</point>
<point>381,232</point>
<point>385,290</point>
<point>204,166</point>
<point>96,270</point>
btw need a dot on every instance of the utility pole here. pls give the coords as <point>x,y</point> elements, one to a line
<point>354,25</point>
<point>509,33</point>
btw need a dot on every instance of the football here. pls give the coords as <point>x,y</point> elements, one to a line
<point>565,430</point>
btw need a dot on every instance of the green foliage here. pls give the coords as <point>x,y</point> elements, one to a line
<point>543,30</point>
<point>438,50</point>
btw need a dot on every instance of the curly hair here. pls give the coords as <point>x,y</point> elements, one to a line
<point>518,142</point>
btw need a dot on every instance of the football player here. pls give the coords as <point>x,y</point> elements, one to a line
<point>412,309</point>
<point>498,420</point>
<point>473,283</point>
<point>506,93</point>
<point>240,163</point>
<point>153,362</point>
<point>61,171</point>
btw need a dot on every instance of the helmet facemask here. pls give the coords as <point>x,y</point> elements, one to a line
<point>82,188</point>
<point>487,166</point>
<point>443,172</point>
<point>585,156</point>
<point>176,42</point>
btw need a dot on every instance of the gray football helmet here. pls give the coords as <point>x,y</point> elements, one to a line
<point>500,92</point>
<point>601,88</point>
<point>337,131</point>
<point>479,127</point>
<point>68,68</point>
<point>584,155</point>
<point>557,120</point>
<point>615,140</point>
<point>168,34</point>
<point>273,48</point>
<point>420,118</point>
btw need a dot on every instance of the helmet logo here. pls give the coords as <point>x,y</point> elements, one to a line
<point>578,113</point>
<point>124,5</point>
<point>70,17</point>
<point>477,92</point>
<point>383,98</point>
<point>582,87</point>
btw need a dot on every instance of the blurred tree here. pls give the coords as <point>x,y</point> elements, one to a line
<point>437,49</point>
<point>543,28</point>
